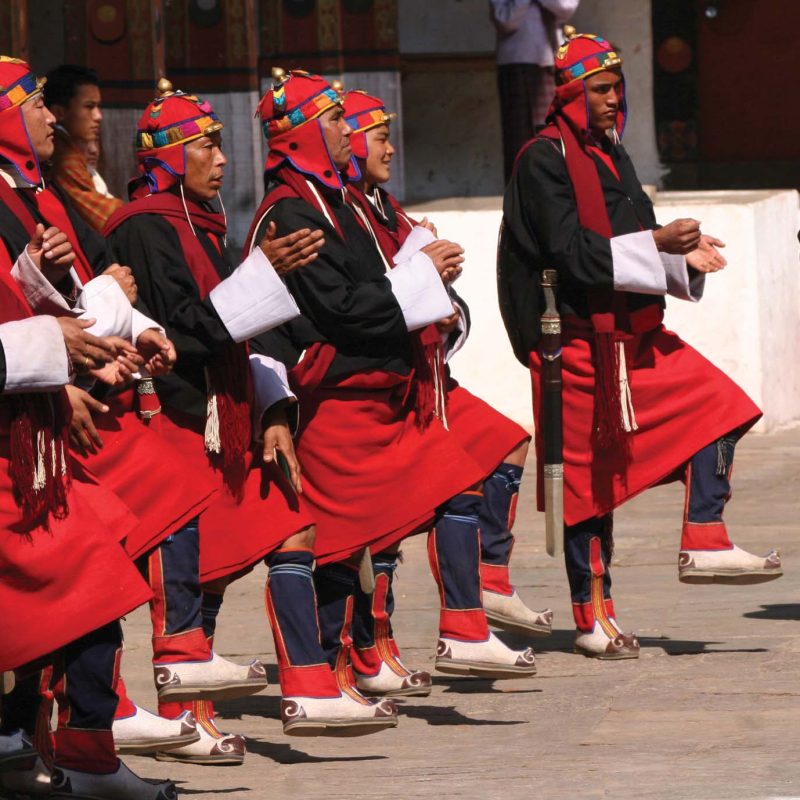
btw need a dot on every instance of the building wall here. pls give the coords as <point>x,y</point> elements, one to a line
<point>452,135</point>
<point>749,315</point>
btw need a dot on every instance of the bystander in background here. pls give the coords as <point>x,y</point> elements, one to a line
<point>72,94</point>
<point>528,33</point>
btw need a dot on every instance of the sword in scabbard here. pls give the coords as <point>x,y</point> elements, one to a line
<point>551,417</point>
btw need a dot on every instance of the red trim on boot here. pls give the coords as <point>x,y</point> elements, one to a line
<point>189,645</point>
<point>86,751</point>
<point>125,706</point>
<point>43,739</point>
<point>203,711</point>
<point>466,625</point>
<point>367,660</point>
<point>172,710</point>
<point>705,536</point>
<point>158,605</point>
<point>312,680</point>
<point>433,560</point>
<point>342,670</point>
<point>597,588</point>
<point>584,616</point>
<point>512,511</point>
<point>495,578</point>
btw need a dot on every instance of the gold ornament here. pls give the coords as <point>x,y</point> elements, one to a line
<point>569,32</point>
<point>164,87</point>
<point>337,86</point>
<point>278,75</point>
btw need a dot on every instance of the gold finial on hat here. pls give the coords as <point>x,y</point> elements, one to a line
<point>164,87</point>
<point>278,75</point>
<point>337,86</point>
<point>569,32</point>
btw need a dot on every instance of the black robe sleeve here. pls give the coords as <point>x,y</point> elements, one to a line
<point>344,291</point>
<point>167,290</point>
<point>540,212</point>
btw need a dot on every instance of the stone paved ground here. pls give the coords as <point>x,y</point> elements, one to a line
<point>711,710</point>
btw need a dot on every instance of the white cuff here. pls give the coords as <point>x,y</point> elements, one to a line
<point>270,385</point>
<point>253,299</point>
<point>681,282</point>
<point>418,238</point>
<point>36,356</point>
<point>637,265</point>
<point>41,295</point>
<point>102,299</point>
<point>419,291</point>
<point>141,323</point>
<point>456,339</point>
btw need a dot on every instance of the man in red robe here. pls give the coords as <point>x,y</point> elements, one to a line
<point>640,406</point>
<point>499,445</point>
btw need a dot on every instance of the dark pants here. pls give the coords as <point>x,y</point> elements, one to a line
<point>588,545</point>
<point>80,677</point>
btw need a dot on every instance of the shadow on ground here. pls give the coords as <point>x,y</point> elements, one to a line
<point>790,611</point>
<point>283,753</point>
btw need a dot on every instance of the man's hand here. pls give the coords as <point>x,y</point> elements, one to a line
<point>157,351</point>
<point>447,257</point>
<point>83,435</point>
<point>707,258</point>
<point>52,253</point>
<point>680,237</point>
<point>120,372</point>
<point>293,251</point>
<point>86,351</point>
<point>426,223</point>
<point>447,325</point>
<point>278,439</point>
<point>124,277</point>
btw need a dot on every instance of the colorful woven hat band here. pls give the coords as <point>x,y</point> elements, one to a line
<point>309,109</point>
<point>151,136</point>
<point>26,86</point>
<point>366,120</point>
<point>582,55</point>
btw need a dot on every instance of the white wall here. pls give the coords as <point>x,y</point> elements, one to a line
<point>748,322</point>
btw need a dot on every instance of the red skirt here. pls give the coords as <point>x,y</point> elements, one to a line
<point>370,475</point>
<point>482,431</point>
<point>150,475</point>
<point>682,403</point>
<point>235,532</point>
<point>59,584</point>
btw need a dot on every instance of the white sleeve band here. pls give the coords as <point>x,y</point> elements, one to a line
<point>102,299</point>
<point>637,264</point>
<point>36,356</point>
<point>419,291</point>
<point>253,299</point>
<point>41,295</point>
<point>418,238</point>
<point>456,339</point>
<point>141,323</point>
<point>682,283</point>
<point>270,386</point>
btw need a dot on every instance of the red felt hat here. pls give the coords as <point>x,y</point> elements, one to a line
<point>18,84</point>
<point>362,112</point>
<point>582,55</point>
<point>168,123</point>
<point>289,113</point>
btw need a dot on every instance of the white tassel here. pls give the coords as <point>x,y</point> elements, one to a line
<point>625,397</point>
<point>212,441</point>
<point>40,475</point>
<point>441,403</point>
